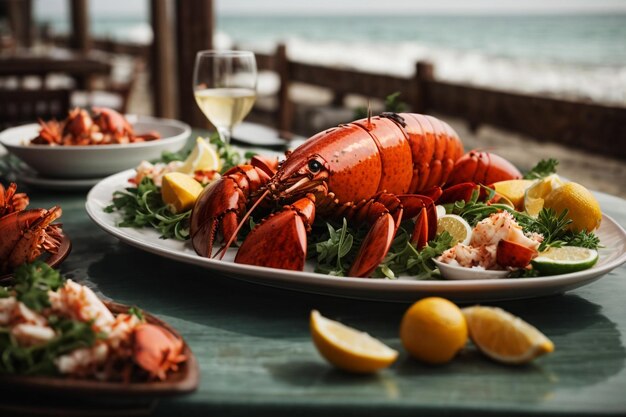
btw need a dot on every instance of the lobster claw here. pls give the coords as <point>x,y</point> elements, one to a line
<point>215,208</point>
<point>280,241</point>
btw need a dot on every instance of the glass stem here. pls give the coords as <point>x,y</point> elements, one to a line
<point>225,134</point>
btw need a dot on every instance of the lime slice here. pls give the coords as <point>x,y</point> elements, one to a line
<point>460,230</point>
<point>203,157</point>
<point>564,260</point>
<point>536,193</point>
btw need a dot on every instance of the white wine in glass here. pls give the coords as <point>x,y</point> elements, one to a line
<point>225,87</point>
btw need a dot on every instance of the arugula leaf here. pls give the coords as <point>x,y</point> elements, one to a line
<point>337,249</point>
<point>331,252</point>
<point>403,257</point>
<point>543,168</point>
<point>523,273</point>
<point>39,359</point>
<point>32,283</point>
<point>142,206</point>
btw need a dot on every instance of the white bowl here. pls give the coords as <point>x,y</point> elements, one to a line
<point>461,273</point>
<point>94,161</point>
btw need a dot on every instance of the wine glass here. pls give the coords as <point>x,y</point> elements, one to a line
<point>224,84</point>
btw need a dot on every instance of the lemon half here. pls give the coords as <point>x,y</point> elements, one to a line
<point>535,195</point>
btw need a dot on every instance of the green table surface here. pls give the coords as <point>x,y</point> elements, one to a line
<point>256,356</point>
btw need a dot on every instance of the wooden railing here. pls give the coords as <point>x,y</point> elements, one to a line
<point>594,127</point>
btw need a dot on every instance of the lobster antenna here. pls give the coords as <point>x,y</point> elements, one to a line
<point>369,113</point>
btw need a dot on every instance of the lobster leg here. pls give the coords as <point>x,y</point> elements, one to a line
<point>385,213</point>
<point>422,208</point>
<point>280,240</point>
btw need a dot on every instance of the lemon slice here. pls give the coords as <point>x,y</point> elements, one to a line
<point>536,194</point>
<point>179,191</point>
<point>460,230</point>
<point>203,157</point>
<point>505,337</point>
<point>565,260</point>
<point>513,190</point>
<point>347,348</point>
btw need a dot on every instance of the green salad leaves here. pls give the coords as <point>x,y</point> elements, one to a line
<point>32,283</point>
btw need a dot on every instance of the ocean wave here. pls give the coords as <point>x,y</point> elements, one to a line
<point>598,83</point>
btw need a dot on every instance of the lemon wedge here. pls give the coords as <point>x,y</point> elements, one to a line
<point>179,191</point>
<point>203,157</point>
<point>505,337</point>
<point>536,194</point>
<point>514,191</point>
<point>347,348</point>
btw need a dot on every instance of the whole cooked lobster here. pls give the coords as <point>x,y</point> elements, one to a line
<point>25,234</point>
<point>377,171</point>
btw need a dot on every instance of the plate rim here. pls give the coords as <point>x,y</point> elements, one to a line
<point>309,279</point>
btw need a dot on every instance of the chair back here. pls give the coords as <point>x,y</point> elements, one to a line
<point>19,106</point>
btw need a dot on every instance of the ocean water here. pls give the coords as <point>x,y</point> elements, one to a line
<point>579,56</point>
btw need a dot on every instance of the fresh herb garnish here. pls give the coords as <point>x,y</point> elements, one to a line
<point>143,206</point>
<point>474,210</point>
<point>336,250</point>
<point>39,359</point>
<point>543,168</point>
<point>552,226</point>
<point>582,239</point>
<point>331,252</point>
<point>392,104</point>
<point>137,312</point>
<point>32,283</point>
<point>403,257</point>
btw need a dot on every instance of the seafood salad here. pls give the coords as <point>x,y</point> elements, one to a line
<point>53,326</point>
<point>496,242</point>
<point>104,127</point>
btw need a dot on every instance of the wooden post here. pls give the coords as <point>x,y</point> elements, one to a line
<point>162,60</point>
<point>20,14</point>
<point>79,11</point>
<point>195,23</point>
<point>285,107</point>
<point>424,72</point>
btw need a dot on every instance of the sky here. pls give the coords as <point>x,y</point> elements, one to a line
<point>55,8</point>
